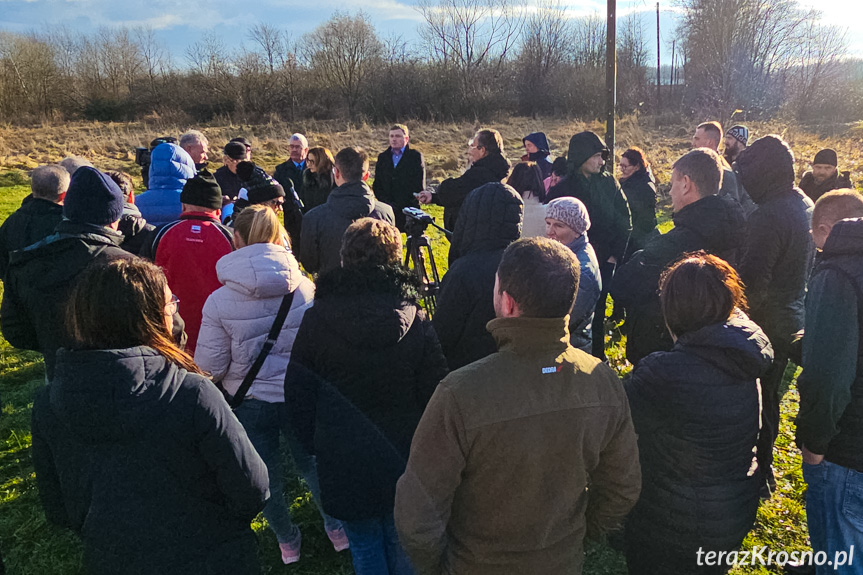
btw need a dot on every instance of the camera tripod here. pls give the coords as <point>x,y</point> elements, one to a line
<point>418,251</point>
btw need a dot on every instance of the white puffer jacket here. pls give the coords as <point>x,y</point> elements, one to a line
<point>239,315</point>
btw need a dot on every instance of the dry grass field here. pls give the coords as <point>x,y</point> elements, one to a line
<point>112,145</point>
<point>31,546</point>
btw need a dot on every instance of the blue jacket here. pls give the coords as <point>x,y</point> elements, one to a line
<point>170,167</point>
<point>589,288</point>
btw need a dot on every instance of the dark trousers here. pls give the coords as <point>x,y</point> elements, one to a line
<point>606,272</point>
<point>770,384</point>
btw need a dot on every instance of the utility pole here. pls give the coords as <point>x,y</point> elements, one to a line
<point>611,79</point>
<point>658,68</point>
<point>673,80</point>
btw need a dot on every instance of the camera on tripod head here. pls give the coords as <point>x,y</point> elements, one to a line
<point>142,154</point>
<point>417,220</point>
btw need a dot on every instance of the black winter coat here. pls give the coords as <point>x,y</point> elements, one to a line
<point>830,420</point>
<point>452,192</point>
<point>640,191</point>
<point>40,279</point>
<point>610,218</point>
<point>715,224</point>
<point>777,256</point>
<point>396,185</point>
<point>229,182</point>
<point>490,220</point>
<point>316,189</point>
<point>33,221</point>
<point>324,226</point>
<point>363,367</point>
<point>815,191</point>
<point>696,413</point>
<point>134,228</point>
<point>146,462</point>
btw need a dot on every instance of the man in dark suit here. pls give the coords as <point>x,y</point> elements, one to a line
<point>399,174</point>
<point>292,169</point>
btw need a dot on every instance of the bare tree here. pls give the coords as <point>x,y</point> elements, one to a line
<point>589,41</point>
<point>819,67</point>
<point>741,53</point>
<point>156,61</point>
<point>270,43</point>
<point>470,36</point>
<point>344,50</point>
<point>28,75</point>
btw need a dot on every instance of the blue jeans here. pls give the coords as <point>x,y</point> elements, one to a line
<point>375,547</point>
<point>834,511</point>
<point>266,424</point>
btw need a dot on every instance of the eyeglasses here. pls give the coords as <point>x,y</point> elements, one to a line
<point>173,306</point>
<point>310,161</point>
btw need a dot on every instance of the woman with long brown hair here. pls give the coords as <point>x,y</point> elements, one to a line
<point>696,412</point>
<point>134,448</point>
<point>318,179</point>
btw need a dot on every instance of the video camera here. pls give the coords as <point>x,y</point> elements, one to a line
<point>142,154</point>
<point>418,215</point>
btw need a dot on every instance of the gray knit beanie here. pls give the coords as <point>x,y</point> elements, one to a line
<point>570,211</point>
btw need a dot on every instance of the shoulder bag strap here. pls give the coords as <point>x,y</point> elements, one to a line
<point>265,351</point>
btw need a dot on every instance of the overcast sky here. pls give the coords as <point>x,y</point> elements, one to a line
<point>180,23</point>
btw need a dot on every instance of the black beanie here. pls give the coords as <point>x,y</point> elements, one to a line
<point>203,191</point>
<point>260,187</point>
<point>93,198</point>
<point>826,156</point>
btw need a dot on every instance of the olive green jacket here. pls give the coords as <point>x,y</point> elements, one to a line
<point>517,457</point>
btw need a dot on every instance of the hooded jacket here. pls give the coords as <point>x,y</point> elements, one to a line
<point>830,421</point>
<point>452,192</point>
<point>696,413</point>
<point>606,203</point>
<point>517,457</point>
<point>146,462</point>
<point>170,167</point>
<point>541,157</point>
<point>779,249</point>
<point>324,226</point>
<point>238,317</point>
<point>490,220</point>
<point>835,182</point>
<point>714,224</point>
<point>363,367</point>
<point>39,282</point>
<point>33,221</point>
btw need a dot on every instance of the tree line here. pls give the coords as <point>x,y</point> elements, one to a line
<point>472,59</point>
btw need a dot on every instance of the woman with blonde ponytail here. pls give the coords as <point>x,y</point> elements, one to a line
<point>256,279</point>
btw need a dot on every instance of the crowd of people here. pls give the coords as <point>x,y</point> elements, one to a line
<point>194,332</point>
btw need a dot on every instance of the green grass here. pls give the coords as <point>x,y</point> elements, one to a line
<point>31,546</point>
